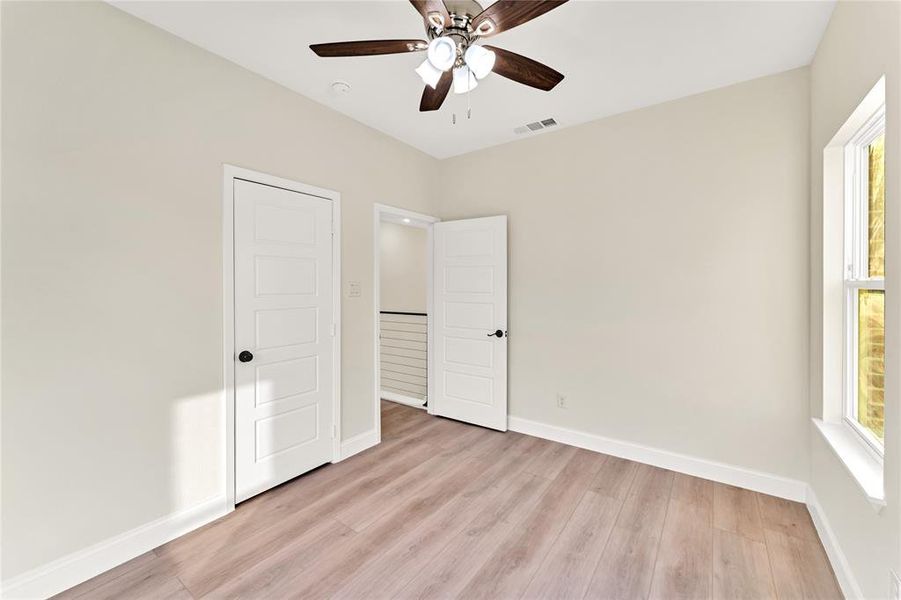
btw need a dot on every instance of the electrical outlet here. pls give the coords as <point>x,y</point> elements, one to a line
<point>561,400</point>
<point>895,589</point>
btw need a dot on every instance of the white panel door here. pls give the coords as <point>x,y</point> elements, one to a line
<point>283,335</point>
<point>470,329</point>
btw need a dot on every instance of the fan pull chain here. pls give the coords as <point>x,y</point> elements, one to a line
<point>468,107</point>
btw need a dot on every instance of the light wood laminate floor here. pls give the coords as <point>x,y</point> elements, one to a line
<point>441,509</point>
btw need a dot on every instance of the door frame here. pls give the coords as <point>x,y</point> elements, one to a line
<point>424,222</point>
<point>230,174</point>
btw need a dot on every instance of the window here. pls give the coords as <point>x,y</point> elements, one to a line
<point>864,281</point>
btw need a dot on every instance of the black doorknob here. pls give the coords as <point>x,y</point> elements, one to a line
<point>245,356</point>
<point>497,333</point>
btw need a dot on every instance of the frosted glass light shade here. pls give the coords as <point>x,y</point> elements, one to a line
<point>464,80</point>
<point>442,53</point>
<point>479,60</point>
<point>429,74</point>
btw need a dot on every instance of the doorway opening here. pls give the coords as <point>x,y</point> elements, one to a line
<point>403,299</point>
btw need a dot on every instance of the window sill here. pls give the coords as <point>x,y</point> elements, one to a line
<point>865,468</point>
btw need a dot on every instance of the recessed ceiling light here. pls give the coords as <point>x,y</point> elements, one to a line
<point>340,88</point>
<point>406,220</point>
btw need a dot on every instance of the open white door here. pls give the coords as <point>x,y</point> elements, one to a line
<point>283,335</point>
<point>470,327</point>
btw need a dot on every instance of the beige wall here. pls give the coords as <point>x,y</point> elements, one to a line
<point>403,268</point>
<point>658,272</point>
<point>114,136</point>
<point>659,268</point>
<point>861,44</point>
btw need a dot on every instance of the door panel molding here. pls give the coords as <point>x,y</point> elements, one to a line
<point>231,173</point>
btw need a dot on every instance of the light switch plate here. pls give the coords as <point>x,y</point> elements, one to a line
<point>353,289</point>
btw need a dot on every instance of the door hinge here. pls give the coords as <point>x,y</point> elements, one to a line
<point>334,329</point>
<point>334,431</point>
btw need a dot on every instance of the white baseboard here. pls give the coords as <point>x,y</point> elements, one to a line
<point>68,571</point>
<point>837,558</point>
<point>358,443</point>
<point>401,399</point>
<point>757,481</point>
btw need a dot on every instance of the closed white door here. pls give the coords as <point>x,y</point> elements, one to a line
<point>283,335</point>
<point>470,329</point>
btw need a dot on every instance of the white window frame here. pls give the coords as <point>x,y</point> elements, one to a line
<point>856,265</point>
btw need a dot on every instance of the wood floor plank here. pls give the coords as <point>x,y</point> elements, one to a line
<point>86,587</point>
<point>401,422</point>
<point>507,572</point>
<point>360,515</point>
<point>800,568</point>
<point>790,518</point>
<point>394,566</point>
<point>452,568</point>
<point>263,511</point>
<point>741,568</point>
<point>250,541</point>
<point>393,423</point>
<point>626,567</point>
<point>736,510</point>
<point>408,421</point>
<point>550,461</point>
<point>449,433</point>
<point>683,566</point>
<point>144,578</point>
<point>567,569</point>
<point>695,492</point>
<point>273,576</point>
<point>332,568</point>
<point>647,498</point>
<point>615,478</point>
<point>388,407</point>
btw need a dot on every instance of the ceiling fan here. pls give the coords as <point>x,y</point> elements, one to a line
<point>452,56</point>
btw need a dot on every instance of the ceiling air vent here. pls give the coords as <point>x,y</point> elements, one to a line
<point>536,126</point>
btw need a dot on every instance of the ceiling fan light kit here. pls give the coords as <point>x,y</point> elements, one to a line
<point>452,56</point>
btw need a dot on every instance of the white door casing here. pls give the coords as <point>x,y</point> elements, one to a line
<point>470,305</point>
<point>284,316</point>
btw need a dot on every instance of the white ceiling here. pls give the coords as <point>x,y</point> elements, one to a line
<point>616,56</point>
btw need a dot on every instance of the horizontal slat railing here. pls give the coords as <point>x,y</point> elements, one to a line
<point>403,342</point>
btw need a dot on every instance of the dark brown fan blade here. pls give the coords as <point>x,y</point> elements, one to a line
<point>369,47</point>
<point>507,14</point>
<point>432,99</point>
<point>427,7</point>
<point>524,70</point>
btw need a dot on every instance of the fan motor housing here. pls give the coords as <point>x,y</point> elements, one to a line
<point>462,12</point>
<point>463,9</point>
